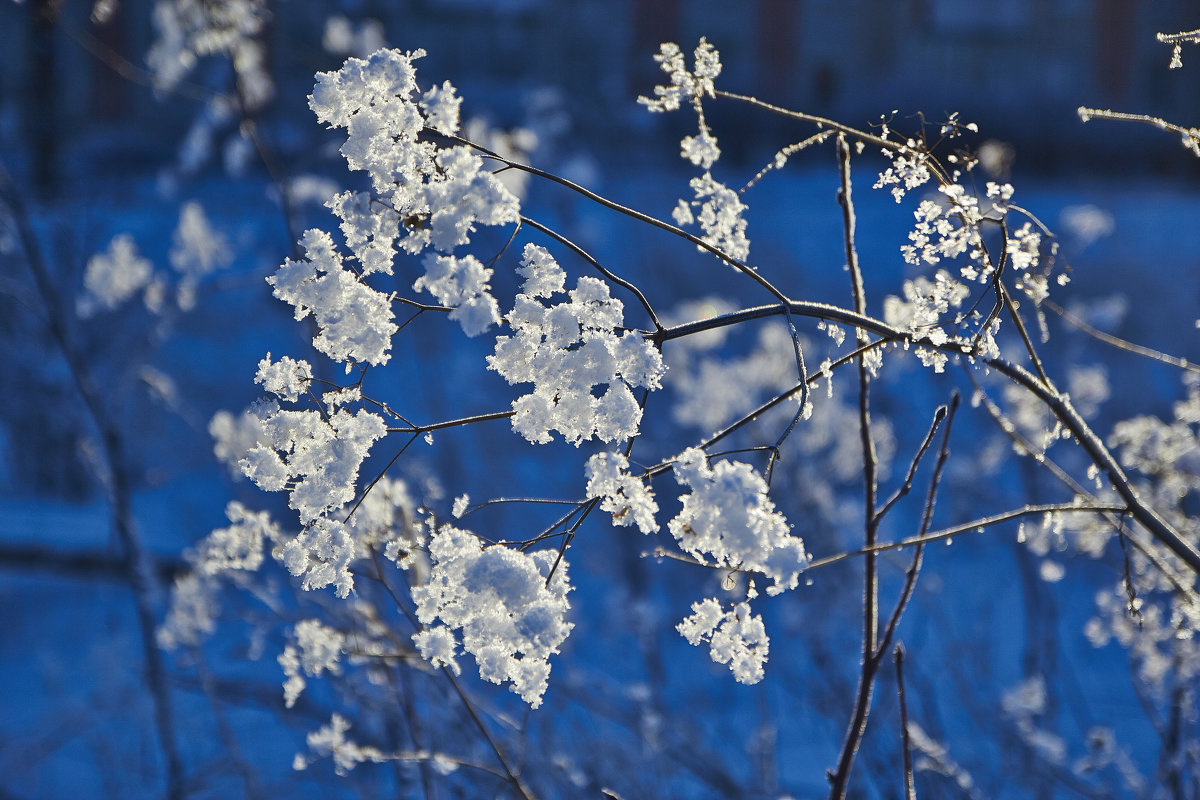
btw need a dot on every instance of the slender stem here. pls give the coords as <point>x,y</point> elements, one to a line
<point>872,660</point>
<point>870,460</point>
<point>910,786</point>
<point>454,423</point>
<point>975,526</point>
<point>740,266</point>
<point>906,486</point>
<point>1118,342</point>
<point>586,256</point>
<point>914,569</point>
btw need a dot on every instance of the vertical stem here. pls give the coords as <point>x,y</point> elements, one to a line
<point>910,787</point>
<point>870,661</point>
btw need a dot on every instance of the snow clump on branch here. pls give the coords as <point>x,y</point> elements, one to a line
<point>568,351</point>
<point>509,606</point>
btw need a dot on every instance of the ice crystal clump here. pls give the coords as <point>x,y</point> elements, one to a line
<point>508,607</point>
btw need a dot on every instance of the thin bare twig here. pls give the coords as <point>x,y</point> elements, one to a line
<point>910,786</point>
<point>1118,342</point>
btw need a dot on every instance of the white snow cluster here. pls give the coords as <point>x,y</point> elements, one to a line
<point>729,517</point>
<point>720,212</point>
<point>440,194</point>
<point>354,320</point>
<point>188,30</point>
<point>685,86</point>
<point>461,282</point>
<point>329,741</point>
<point>238,547</point>
<point>112,277</point>
<point>734,637</point>
<point>581,369</point>
<point>317,649</point>
<point>510,618</point>
<point>314,458</point>
<point>286,378</point>
<point>423,196</point>
<point>627,498</point>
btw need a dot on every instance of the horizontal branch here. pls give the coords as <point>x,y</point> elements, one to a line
<point>655,222</point>
<point>1058,404</point>
<point>453,423</point>
<point>977,526</point>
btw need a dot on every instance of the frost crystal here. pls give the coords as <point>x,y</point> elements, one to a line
<point>719,211</point>
<point>510,618</point>
<point>735,637</point>
<point>113,276</point>
<point>729,516</point>
<point>627,498</point>
<point>948,230</point>
<point>701,149</point>
<point>286,378</point>
<point>238,547</point>
<point>437,646</point>
<point>317,649</point>
<point>198,248</point>
<point>370,230</point>
<point>543,276</point>
<point>355,321</point>
<point>439,194</point>
<point>685,85</point>
<point>581,369</point>
<point>330,741</point>
<point>233,437</point>
<point>441,105</point>
<point>320,555</point>
<point>461,283</point>
<point>193,612</point>
<point>908,171</point>
<point>920,313</point>
<point>316,458</point>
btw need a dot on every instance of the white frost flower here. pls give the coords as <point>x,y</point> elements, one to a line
<point>729,516</point>
<point>735,637</point>
<point>287,378</point>
<point>234,437</point>
<point>461,283</point>
<point>510,617</point>
<point>701,149</point>
<point>581,369</point>
<point>238,547</point>
<point>437,645</point>
<point>330,741</point>
<point>113,276</point>
<point>627,498</point>
<point>439,194</point>
<point>317,459</point>
<point>543,276</point>
<point>317,649</point>
<point>370,230</point>
<point>441,105</point>
<point>198,248</point>
<point>354,320</point>
<point>685,86</point>
<point>720,212</point>
<point>192,614</point>
<point>320,555</point>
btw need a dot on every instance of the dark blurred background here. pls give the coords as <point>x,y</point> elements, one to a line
<point>73,88</point>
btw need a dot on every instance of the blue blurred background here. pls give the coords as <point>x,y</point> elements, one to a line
<point>91,148</point>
